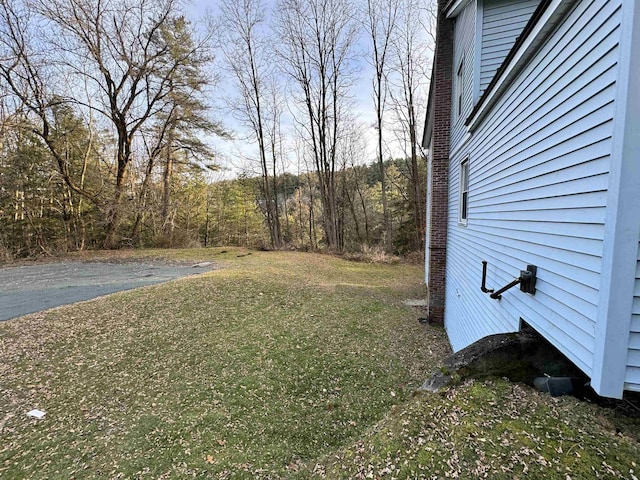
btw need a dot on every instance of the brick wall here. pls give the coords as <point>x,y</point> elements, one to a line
<point>439,196</point>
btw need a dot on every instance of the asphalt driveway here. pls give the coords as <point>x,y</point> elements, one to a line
<point>32,288</point>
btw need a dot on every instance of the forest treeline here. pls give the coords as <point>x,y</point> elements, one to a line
<point>43,218</point>
<point>110,113</point>
<point>232,212</point>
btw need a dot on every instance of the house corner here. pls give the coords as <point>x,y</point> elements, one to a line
<point>437,201</point>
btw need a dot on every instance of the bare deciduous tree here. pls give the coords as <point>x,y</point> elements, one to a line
<point>412,52</point>
<point>246,48</point>
<point>25,71</point>
<point>316,47</point>
<point>118,48</point>
<point>380,24</point>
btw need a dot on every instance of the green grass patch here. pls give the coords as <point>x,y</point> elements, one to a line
<point>490,429</point>
<point>252,370</point>
<point>275,365</point>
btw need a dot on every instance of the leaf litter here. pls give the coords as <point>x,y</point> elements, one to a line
<point>277,365</point>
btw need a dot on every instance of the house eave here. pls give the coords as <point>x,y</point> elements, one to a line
<point>428,122</point>
<point>542,23</point>
<point>454,7</point>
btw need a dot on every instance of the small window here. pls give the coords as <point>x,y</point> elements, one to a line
<point>459,87</point>
<point>464,190</point>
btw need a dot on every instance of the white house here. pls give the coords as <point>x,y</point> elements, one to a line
<point>533,133</point>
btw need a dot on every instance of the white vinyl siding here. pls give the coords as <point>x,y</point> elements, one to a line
<point>537,192</point>
<point>464,37</point>
<point>632,380</point>
<point>502,23</point>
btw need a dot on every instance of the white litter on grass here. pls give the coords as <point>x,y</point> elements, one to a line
<point>39,414</point>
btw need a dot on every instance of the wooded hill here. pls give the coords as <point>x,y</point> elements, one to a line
<point>40,215</point>
<point>109,124</point>
<point>235,212</point>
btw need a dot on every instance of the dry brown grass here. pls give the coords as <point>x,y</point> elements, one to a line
<point>279,365</point>
<point>252,370</point>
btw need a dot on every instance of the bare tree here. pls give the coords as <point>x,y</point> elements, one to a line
<point>119,48</point>
<point>353,154</point>
<point>275,135</point>
<point>27,77</point>
<point>412,48</point>
<point>316,47</point>
<point>380,24</point>
<point>246,48</point>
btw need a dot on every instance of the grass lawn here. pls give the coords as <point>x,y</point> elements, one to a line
<point>276,365</point>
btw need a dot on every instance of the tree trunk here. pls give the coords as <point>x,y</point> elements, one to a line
<point>167,224</point>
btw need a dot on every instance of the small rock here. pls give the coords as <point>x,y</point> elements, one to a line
<point>435,382</point>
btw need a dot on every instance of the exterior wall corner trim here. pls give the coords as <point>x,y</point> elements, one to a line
<point>622,221</point>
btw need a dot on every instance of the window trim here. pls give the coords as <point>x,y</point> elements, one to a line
<point>463,194</point>
<point>459,107</point>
